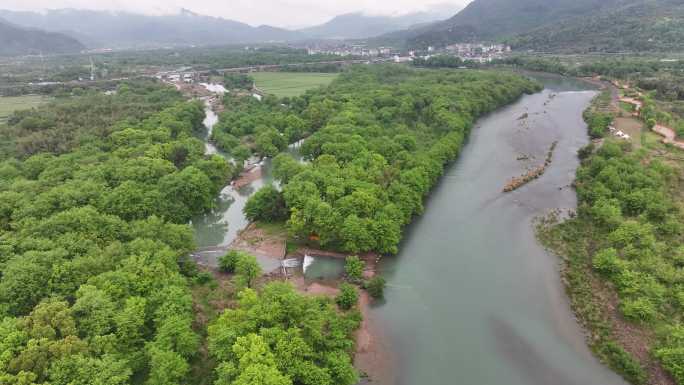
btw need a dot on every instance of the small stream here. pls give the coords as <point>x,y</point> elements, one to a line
<point>216,230</point>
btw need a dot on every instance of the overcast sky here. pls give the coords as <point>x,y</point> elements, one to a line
<point>284,13</point>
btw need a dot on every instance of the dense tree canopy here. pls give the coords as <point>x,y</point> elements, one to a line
<point>380,139</point>
<point>81,117</point>
<point>280,337</point>
<point>91,288</point>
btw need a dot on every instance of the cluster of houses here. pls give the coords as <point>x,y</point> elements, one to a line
<point>350,50</point>
<point>177,76</point>
<point>479,52</point>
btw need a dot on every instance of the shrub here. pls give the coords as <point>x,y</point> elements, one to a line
<point>586,151</point>
<point>353,267</point>
<point>638,310</point>
<point>348,296</point>
<point>247,270</point>
<point>227,262</point>
<point>607,262</point>
<point>204,277</point>
<point>376,287</point>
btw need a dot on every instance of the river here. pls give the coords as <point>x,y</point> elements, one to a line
<point>472,297</point>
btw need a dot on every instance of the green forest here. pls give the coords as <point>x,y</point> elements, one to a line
<point>377,140</point>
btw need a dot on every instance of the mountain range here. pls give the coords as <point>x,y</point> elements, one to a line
<point>565,26</point>
<point>15,40</point>
<point>99,29</point>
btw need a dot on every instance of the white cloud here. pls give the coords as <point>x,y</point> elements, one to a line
<point>255,12</point>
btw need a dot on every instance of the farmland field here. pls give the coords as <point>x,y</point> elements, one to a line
<point>9,104</point>
<point>290,83</point>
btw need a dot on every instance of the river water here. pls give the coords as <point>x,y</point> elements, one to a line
<point>215,230</point>
<point>472,297</point>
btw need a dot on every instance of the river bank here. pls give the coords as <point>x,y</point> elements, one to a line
<point>472,292</point>
<point>475,294</point>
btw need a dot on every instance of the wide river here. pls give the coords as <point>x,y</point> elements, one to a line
<point>472,297</point>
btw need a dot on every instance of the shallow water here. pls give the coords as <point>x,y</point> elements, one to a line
<point>472,297</point>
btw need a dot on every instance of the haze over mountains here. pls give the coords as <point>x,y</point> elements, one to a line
<point>15,40</point>
<point>538,25</point>
<point>97,29</point>
<point>358,25</point>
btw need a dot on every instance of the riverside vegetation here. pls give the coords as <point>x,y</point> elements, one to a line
<point>378,139</point>
<point>627,238</point>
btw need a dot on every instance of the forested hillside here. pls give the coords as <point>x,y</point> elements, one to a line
<point>494,19</point>
<point>563,25</point>
<point>381,138</point>
<point>642,26</point>
<point>15,40</point>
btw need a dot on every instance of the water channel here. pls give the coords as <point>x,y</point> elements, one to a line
<point>472,297</point>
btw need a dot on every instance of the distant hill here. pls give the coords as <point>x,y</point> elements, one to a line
<point>98,29</point>
<point>16,41</point>
<point>358,25</point>
<point>639,26</point>
<point>569,26</point>
<point>492,19</point>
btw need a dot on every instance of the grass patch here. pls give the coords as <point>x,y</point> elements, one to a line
<point>275,228</point>
<point>9,104</point>
<point>289,84</point>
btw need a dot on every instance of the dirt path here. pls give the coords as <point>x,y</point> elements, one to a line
<point>669,135</point>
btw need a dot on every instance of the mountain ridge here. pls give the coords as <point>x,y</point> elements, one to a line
<point>16,40</point>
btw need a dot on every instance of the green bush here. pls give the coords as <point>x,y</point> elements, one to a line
<point>586,151</point>
<point>376,287</point>
<point>638,310</point>
<point>247,270</point>
<point>607,262</point>
<point>348,296</point>
<point>353,267</point>
<point>204,277</point>
<point>227,262</point>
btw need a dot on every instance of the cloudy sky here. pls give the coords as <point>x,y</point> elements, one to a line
<point>274,12</point>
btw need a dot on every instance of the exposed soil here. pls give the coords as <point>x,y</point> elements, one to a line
<point>257,241</point>
<point>249,175</point>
